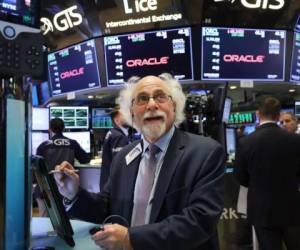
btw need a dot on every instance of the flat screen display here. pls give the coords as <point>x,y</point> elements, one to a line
<point>295,65</point>
<point>237,54</point>
<point>24,12</point>
<point>34,96</point>
<point>101,118</point>
<point>73,117</point>
<point>83,138</point>
<point>226,110</point>
<point>53,202</point>
<point>44,92</point>
<point>40,118</point>
<point>230,140</point>
<point>297,108</point>
<point>74,68</point>
<point>149,53</point>
<point>36,139</point>
<point>242,118</point>
<point>250,128</point>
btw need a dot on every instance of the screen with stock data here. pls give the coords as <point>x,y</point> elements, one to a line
<point>237,54</point>
<point>148,53</point>
<point>74,68</point>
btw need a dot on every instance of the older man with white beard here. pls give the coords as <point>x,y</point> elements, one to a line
<point>167,186</point>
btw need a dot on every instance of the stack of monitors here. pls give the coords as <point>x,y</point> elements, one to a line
<point>74,117</point>
<point>243,54</point>
<point>149,53</point>
<point>74,68</point>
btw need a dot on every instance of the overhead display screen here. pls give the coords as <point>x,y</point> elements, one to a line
<point>74,68</point>
<point>295,65</point>
<point>237,54</point>
<point>149,53</point>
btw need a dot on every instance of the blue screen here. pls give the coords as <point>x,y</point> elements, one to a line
<point>74,68</point>
<point>34,94</point>
<point>45,92</point>
<point>236,54</point>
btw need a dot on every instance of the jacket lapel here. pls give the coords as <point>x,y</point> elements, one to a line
<point>170,162</point>
<point>128,183</point>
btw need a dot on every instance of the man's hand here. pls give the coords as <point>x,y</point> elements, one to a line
<point>113,237</point>
<point>67,180</point>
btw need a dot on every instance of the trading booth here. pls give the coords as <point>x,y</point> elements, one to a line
<point>69,59</point>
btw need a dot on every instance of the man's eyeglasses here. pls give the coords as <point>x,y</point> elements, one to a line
<point>143,99</point>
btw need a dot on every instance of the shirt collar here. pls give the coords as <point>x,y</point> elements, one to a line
<point>269,121</point>
<point>162,142</point>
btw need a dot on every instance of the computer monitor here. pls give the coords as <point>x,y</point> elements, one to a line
<point>40,118</point>
<point>250,128</point>
<point>74,68</point>
<point>101,118</point>
<point>226,110</point>
<point>36,139</point>
<point>74,117</point>
<point>34,96</point>
<point>297,108</point>
<point>82,137</point>
<point>230,141</point>
<point>53,201</point>
<point>149,53</point>
<point>295,62</point>
<point>243,54</point>
<point>23,12</point>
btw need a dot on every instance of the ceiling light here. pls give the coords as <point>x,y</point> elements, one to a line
<point>292,90</point>
<point>90,96</point>
<point>233,87</point>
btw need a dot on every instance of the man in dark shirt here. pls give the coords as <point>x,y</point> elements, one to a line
<point>60,148</point>
<point>268,163</point>
<point>115,140</point>
<point>56,150</point>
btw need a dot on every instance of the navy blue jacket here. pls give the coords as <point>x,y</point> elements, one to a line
<point>187,202</point>
<point>115,140</point>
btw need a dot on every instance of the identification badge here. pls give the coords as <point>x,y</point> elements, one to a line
<point>135,152</point>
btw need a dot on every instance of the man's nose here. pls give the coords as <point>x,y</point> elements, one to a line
<point>152,103</point>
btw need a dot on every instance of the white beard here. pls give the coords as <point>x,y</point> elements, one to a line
<point>156,130</point>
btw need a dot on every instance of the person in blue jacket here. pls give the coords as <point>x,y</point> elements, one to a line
<point>115,139</point>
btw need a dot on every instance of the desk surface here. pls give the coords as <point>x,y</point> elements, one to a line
<point>41,226</point>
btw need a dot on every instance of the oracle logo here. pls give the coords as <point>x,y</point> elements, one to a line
<point>244,58</point>
<point>71,73</point>
<point>145,61</point>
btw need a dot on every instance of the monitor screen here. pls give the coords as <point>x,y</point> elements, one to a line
<point>230,141</point>
<point>36,139</point>
<point>149,53</point>
<point>101,118</point>
<point>226,110</point>
<point>242,118</point>
<point>44,92</point>
<point>40,118</point>
<point>53,201</point>
<point>34,96</point>
<point>297,108</point>
<point>74,68</point>
<point>250,128</point>
<point>73,117</point>
<point>83,138</point>
<point>295,64</point>
<point>237,54</point>
<point>23,12</point>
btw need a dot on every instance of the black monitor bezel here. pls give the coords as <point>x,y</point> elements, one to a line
<point>53,201</point>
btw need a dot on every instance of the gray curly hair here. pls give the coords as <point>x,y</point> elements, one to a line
<point>126,96</point>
